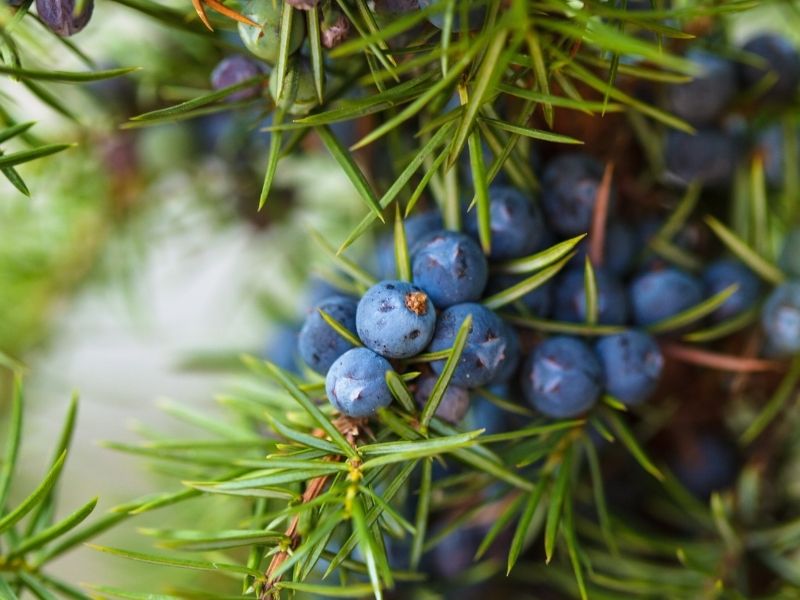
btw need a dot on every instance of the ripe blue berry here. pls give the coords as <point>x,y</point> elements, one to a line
<point>264,42</point>
<point>511,356</point>
<point>319,344</point>
<point>484,351</point>
<point>450,267</point>
<point>454,404</point>
<point>395,319</point>
<point>705,463</point>
<point>416,228</point>
<point>517,227</point>
<point>769,146</point>
<point>538,301</point>
<point>282,348</point>
<point>658,295</point>
<point>619,249</point>
<point>708,156</point>
<point>484,414</point>
<point>60,17</point>
<point>473,19</point>
<point>356,383</point>
<point>236,69</point>
<point>726,272</point>
<point>562,378</point>
<point>704,99</point>
<point>632,364</point>
<point>570,300</point>
<point>570,183</point>
<point>388,11</point>
<point>780,59</point>
<point>781,318</point>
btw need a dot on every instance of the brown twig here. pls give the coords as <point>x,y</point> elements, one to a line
<point>350,428</point>
<point>722,362</point>
<point>597,235</point>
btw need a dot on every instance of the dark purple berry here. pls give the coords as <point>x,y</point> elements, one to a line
<point>454,404</point>
<point>233,70</point>
<point>569,191</point>
<point>708,156</point>
<point>704,99</point>
<point>59,15</point>
<point>780,60</point>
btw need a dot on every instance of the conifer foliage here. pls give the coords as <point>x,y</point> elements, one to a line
<point>569,367</point>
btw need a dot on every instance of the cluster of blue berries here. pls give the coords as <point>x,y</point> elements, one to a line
<point>714,103</point>
<point>397,321</point>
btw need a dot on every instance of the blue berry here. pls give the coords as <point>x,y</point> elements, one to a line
<point>472,20</point>
<point>704,99</point>
<point>264,41</point>
<point>632,364</point>
<point>388,11</point>
<point>485,348</point>
<point>725,272</point>
<point>658,295</point>
<point>511,356</point>
<point>790,254</point>
<point>619,249</point>
<point>570,183</point>
<point>236,69</point>
<point>454,404</point>
<point>319,344</point>
<point>517,227</point>
<point>769,146</point>
<point>282,348</point>
<point>356,383</point>
<point>395,319</point>
<point>562,378</point>
<point>570,300</point>
<point>708,156</point>
<point>60,17</point>
<point>781,318</point>
<point>416,228</point>
<point>781,59</point>
<point>705,463</point>
<point>450,267</point>
<point>464,161</point>
<point>538,301</point>
<point>486,415</point>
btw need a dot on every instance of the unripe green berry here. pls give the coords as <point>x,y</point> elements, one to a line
<point>265,42</point>
<point>298,96</point>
